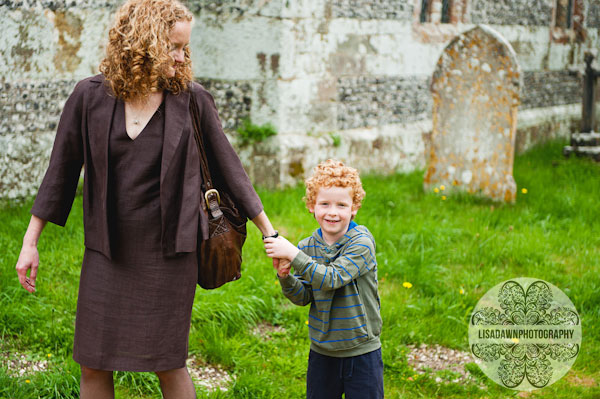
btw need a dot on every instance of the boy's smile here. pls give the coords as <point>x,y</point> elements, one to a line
<point>333,210</point>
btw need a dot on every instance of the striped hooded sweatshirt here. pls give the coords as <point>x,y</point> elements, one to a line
<point>339,282</point>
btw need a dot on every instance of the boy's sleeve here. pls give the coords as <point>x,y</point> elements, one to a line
<point>300,293</point>
<point>357,259</point>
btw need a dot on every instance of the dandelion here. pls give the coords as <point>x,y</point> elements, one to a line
<point>455,182</point>
<point>276,282</point>
<point>436,190</point>
<point>461,291</point>
<point>306,322</point>
<point>442,187</point>
<point>524,190</point>
<point>27,381</point>
<point>49,355</point>
<point>444,198</point>
<point>406,284</point>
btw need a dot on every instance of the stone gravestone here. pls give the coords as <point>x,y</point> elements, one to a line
<point>475,90</point>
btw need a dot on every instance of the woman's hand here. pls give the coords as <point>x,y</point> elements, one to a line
<point>29,259</point>
<point>280,248</point>
<point>283,268</point>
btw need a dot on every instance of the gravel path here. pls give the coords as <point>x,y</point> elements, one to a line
<point>437,358</point>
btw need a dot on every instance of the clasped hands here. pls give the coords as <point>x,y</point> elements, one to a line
<point>282,252</point>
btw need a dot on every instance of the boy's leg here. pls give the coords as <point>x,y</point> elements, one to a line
<point>323,377</point>
<point>363,376</point>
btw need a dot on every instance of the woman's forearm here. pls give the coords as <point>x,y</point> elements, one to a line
<point>264,224</point>
<point>34,230</point>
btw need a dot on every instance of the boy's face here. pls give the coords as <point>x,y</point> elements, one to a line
<point>333,210</point>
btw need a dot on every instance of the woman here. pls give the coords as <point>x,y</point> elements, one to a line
<point>130,128</point>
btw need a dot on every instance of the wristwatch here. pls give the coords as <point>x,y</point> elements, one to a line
<point>273,236</point>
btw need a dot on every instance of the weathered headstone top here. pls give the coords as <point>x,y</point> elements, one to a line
<point>475,90</point>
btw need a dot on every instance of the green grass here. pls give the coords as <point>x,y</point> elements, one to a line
<point>440,247</point>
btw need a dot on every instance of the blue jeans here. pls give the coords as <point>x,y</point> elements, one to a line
<point>359,377</point>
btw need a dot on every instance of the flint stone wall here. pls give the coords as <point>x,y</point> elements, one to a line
<point>511,12</point>
<point>233,100</point>
<point>55,5</point>
<point>401,10</point>
<point>378,101</point>
<point>593,15</point>
<point>549,88</point>
<point>30,113</point>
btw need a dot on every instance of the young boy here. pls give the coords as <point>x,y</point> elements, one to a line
<point>336,272</point>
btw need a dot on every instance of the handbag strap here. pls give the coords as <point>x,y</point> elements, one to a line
<point>211,195</point>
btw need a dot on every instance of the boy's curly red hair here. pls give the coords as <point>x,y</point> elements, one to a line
<point>137,53</point>
<point>333,173</point>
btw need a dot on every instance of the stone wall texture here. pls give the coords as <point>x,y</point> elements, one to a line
<point>373,9</point>
<point>593,15</point>
<point>372,101</point>
<point>30,114</point>
<point>549,88</point>
<point>224,8</point>
<point>365,101</point>
<point>511,12</point>
<point>233,100</point>
<point>55,5</point>
<point>358,70</point>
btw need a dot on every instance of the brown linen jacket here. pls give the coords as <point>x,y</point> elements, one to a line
<point>82,139</point>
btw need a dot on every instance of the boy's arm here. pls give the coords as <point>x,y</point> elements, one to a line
<point>357,259</point>
<point>295,290</point>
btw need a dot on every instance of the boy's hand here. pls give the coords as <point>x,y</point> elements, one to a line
<point>283,269</point>
<point>280,248</point>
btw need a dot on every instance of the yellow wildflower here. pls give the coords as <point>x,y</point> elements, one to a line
<point>436,190</point>
<point>443,198</point>
<point>461,291</point>
<point>442,187</point>
<point>27,381</point>
<point>49,355</point>
<point>406,284</point>
<point>524,190</point>
<point>306,322</point>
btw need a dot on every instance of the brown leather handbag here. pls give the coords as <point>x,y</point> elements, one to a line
<point>220,256</point>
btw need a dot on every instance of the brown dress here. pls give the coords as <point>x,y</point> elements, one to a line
<point>133,312</point>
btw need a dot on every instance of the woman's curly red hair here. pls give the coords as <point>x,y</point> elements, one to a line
<point>137,54</point>
<point>333,173</point>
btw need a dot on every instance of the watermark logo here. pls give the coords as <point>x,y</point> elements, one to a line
<point>525,334</point>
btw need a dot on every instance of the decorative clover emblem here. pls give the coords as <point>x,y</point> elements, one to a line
<point>530,361</point>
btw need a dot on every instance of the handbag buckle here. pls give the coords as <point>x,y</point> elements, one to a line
<point>212,191</point>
